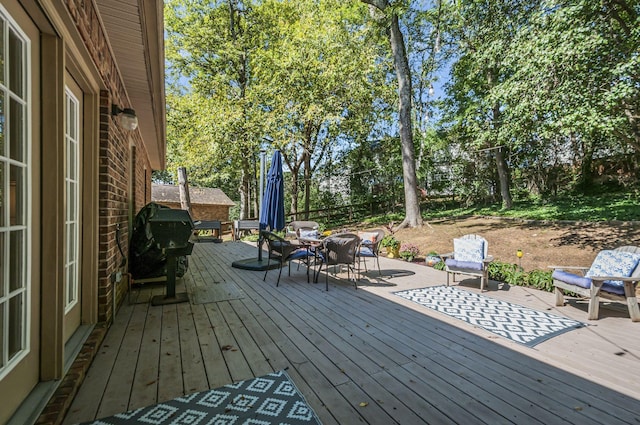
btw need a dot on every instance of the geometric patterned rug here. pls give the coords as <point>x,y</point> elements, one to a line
<point>512,321</point>
<point>269,399</point>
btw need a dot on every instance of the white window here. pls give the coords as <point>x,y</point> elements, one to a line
<point>14,192</point>
<point>72,183</point>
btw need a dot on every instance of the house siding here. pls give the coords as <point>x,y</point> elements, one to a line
<point>114,161</point>
<point>120,174</point>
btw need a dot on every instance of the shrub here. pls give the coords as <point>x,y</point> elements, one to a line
<point>408,251</point>
<point>390,241</point>
<point>515,275</point>
<point>439,266</point>
<point>540,279</point>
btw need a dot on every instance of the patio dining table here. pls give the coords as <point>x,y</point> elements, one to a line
<point>314,245</point>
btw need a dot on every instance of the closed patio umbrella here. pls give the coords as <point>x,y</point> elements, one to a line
<point>272,212</point>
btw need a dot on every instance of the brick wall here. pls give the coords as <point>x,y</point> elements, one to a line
<point>114,162</point>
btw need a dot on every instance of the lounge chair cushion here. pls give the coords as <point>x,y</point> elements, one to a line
<point>614,263</point>
<point>612,286</point>
<point>468,250</point>
<point>571,279</point>
<point>607,263</point>
<point>463,265</point>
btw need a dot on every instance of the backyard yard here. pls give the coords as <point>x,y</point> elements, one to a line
<point>543,244</point>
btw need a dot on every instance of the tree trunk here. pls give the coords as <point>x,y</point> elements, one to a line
<point>503,177</point>
<point>244,189</point>
<point>403,74</point>
<point>307,184</point>
<point>411,200</point>
<point>585,179</point>
<point>501,164</point>
<point>183,183</point>
<point>294,193</point>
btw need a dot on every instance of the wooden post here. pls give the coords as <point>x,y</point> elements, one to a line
<point>185,201</point>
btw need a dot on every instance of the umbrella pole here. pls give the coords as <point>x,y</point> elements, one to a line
<point>251,263</point>
<point>260,206</point>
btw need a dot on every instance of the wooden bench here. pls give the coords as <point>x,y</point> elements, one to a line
<point>206,228</point>
<point>243,226</point>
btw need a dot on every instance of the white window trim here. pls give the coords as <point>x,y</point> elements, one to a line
<point>26,328</point>
<point>69,305</point>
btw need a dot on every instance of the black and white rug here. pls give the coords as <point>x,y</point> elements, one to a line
<point>515,322</point>
<point>269,399</point>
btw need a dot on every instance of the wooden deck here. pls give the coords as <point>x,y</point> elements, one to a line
<point>345,347</point>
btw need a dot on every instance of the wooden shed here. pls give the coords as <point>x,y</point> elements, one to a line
<point>206,203</point>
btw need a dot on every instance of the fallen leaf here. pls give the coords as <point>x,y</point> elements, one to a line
<point>578,408</point>
<point>364,404</point>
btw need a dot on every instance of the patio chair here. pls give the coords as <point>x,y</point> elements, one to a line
<point>369,247</point>
<point>283,251</point>
<point>613,274</point>
<point>340,250</point>
<point>297,227</point>
<point>469,257</point>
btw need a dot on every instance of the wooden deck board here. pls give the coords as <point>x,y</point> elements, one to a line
<point>212,357</point>
<point>118,389</point>
<point>347,346</point>
<point>145,383</point>
<point>170,382</point>
<point>87,401</point>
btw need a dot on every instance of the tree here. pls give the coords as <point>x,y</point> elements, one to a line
<point>482,34</point>
<point>576,72</point>
<point>405,126</point>
<point>320,76</point>
<point>211,117</point>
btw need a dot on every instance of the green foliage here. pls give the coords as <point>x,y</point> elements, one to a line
<point>515,275</point>
<point>551,82</point>
<point>440,266</point>
<point>253,237</point>
<point>540,279</point>
<point>621,206</point>
<point>390,241</point>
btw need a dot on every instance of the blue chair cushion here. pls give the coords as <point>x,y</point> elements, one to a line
<point>607,263</point>
<point>365,251</point>
<point>468,265</point>
<point>571,279</point>
<point>299,254</point>
<point>614,263</point>
<point>613,286</point>
<point>308,234</point>
<point>468,250</point>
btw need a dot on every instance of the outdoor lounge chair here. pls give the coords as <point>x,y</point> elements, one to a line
<point>340,250</point>
<point>369,247</point>
<point>282,251</point>
<point>613,274</point>
<point>469,257</point>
